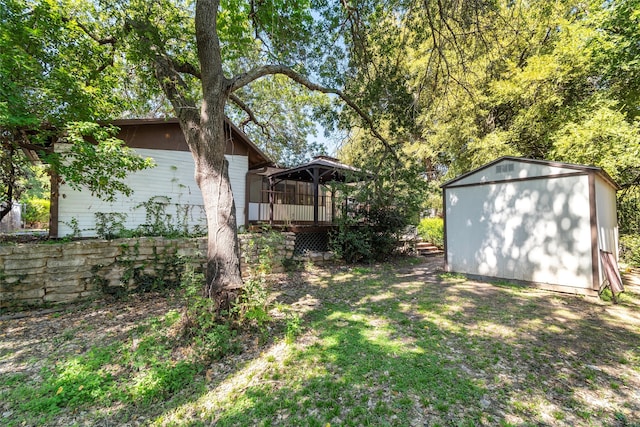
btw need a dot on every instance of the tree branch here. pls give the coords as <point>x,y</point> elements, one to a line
<point>253,17</point>
<point>256,73</point>
<point>172,83</point>
<point>101,41</point>
<point>187,68</point>
<point>167,72</point>
<point>252,118</point>
<point>208,44</point>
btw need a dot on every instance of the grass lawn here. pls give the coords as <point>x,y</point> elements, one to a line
<point>393,344</point>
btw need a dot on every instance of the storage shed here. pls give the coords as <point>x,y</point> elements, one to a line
<point>532,221</point>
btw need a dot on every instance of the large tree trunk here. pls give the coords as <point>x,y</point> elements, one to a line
<point>207,143</point>
<point>204,131</point>
<point>212,169</point>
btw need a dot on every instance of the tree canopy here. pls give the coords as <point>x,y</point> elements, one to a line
<point>446,84</point>
<point>462,83</point>
<point>56,76</point>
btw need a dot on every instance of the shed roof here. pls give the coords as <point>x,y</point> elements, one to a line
<point>579,169</point>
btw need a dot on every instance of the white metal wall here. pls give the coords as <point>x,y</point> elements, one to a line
<point>507,170</point>
<point>13,220</point>
<point>173,178</point>
<point>534,230</point>
<point>607,220</point>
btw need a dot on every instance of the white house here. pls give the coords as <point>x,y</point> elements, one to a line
<point>170,183</point>
<point>532,221</point>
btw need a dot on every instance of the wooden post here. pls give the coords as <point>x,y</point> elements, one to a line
<point>271,199</point>
<point>333,205</point>
<point>53,207</point>
<point>316,194</point>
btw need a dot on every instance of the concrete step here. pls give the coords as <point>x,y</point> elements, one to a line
<point>428,249</point>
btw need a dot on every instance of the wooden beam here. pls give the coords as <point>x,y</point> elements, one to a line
<point>271,199</point>
<point>53,207</point>
<point>316,195</point>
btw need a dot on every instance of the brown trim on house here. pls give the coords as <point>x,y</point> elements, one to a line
<point>169,136</point>
<point>444,219</point>
<point>166,134</point>
<point>53,207</point>
<point>247,197</point>
<point>530,178</point>
<point>593,215</point>
<point>256,156</point>
<point>153,135</point>
<point>144,121</point>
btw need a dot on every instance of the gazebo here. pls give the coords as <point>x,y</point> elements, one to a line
<point>299,199</point>
<point>320,171</point>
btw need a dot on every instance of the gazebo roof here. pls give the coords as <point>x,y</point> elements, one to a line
<point>327,168</point>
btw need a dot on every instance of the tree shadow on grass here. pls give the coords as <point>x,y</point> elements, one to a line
<point>452,351</point>
<point>546,358</point>
<point>398,345</point>
<point>366,377</point>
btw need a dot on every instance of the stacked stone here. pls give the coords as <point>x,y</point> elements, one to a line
<point>53,273</point>
<point>35,274</point>
<point>250,252</point>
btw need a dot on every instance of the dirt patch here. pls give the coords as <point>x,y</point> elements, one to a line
<point>26,338</point>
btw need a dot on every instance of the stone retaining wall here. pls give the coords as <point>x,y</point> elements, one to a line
<point>52,273</point>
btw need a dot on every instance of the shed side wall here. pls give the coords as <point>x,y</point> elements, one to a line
<point>535,230</point>
<point>607,219</point>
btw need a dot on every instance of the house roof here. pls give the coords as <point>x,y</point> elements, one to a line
<point>577,168</point>
<point>328,169</point>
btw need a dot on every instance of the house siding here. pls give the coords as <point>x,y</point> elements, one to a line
<point>171,181</point>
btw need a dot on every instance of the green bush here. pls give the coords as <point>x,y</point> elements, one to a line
<point>432,230</point>
<point>37,212</point>
<point>352,243</point>
<point>630,249</point>
<point>374,212</point>
<point>368,233</point>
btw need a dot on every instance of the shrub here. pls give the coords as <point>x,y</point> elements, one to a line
<point>351,243</point>
<point>110,225</point>
<point>376,208</point>
<point>37,212</point>
<point>432,230</point>
<point>630,249</point>
<point>213,337</point>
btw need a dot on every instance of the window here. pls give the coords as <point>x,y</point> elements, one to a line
<point>286,192</point>
<point>256,189</point>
